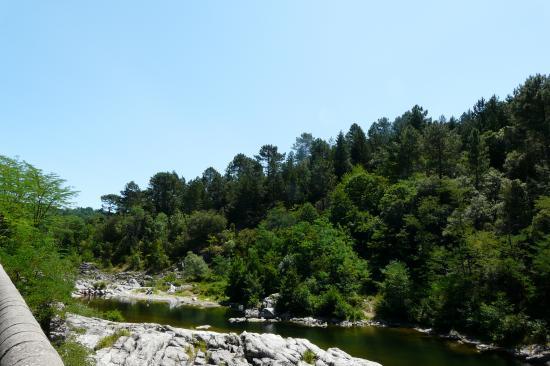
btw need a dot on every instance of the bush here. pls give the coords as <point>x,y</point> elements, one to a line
<point>74,354</point>
<point>221,266</point>
<point>538,332</point>
<point>307,212</point>
<point>331,303</point>
<point>113,315</point>
<point>309,357</point>
<point>110,340</point>
<point>100,285</point>
<point>498,321</point>
<point>171,278</point>
<point>214,290</point>
<point>135,261</point>
<point>279,217</point>
<point>201,225</point>
<point>396,291</point>
<point>84,310</point>
<point>194,267</point>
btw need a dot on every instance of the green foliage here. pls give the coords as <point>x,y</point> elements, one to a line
<point>312,265</point>
<point>501,324</point>
<point>194,267</point>
<point>342,162</point>
<point>100,285</point>
<point>82,309</point>
<point>307,212</point>
<point>357,141</point>
<point>74,354</point>
<point>309,357</point>
<point>166,190</point>
<point>477,155</point>
<point>279,217</point>
<point>30,232</point>
<point>452,215</point>
<point>440,149</point>
<point>114,316</point>
<point>212,288</point>
<point>110,340</point>
<point>395,291</point>
<point>200,344</point>
<point>201,225</point>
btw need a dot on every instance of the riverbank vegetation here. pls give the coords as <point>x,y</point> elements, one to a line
<point>446,222</point>
<point>31,229</point>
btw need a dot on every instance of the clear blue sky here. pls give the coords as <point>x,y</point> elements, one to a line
<point>104,92</point>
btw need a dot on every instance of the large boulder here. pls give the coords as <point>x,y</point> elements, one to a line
<point>132,282</point>
<point>268,313</point>
<point>270,301</point>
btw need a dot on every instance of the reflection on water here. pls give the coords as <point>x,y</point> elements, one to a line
<point>389,346</point>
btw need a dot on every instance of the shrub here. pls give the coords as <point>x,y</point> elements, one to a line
<point>113,315</point>
<point>201,225</point>
<point>307,212</point>
<point>498,321</point>
<point>331,303</point>
<point>171,278</point>
<point>309,357</point>
<point>194,267</point>
<point>396,291</point>
<point>110,340</point>
<point>84,310</point>
<point>135,261</point>
<point>74,354</point>
<point>100,285</point>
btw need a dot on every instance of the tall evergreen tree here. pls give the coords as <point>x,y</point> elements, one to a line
<point>166,191</point>
<point>272,160</point>
<point>514,210</point>
<point>440,147</point>
<point>296,177</point>
<point>478,160</point>
<point>322,170</point>
<point>131,196</point>
<point>404,155</point>
<point>302,147</point>
<point>342,163</point>
<point>214,189</point>
<point>193,197</point>
<point>245,191</point>
<point>357,142</point>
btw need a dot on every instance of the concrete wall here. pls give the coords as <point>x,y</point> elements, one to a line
<point>22,342</point>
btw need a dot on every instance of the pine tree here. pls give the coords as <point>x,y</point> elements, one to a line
<point>440,147</point>
<point>342,163</point>
<point>478,160</point>
<point>357,141</point>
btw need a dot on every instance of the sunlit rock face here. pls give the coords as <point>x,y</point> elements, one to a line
<point>153,344</point>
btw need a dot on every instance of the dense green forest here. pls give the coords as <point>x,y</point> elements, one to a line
<point>440,222</point>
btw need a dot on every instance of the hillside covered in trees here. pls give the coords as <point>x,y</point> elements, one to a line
<point>441,222</point>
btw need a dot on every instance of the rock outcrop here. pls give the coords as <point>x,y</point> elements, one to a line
<point>129,286</point>
<point>153,344</point>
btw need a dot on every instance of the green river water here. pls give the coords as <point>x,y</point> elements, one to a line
<point>389,346</point>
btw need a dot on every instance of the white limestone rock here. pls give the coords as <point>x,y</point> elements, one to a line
<point>153,344</point>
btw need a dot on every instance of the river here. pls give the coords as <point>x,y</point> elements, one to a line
<point>389,346</point>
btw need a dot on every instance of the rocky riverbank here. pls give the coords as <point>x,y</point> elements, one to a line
<point>267,312</point>
<point>154,344</point>
<point>127,286</point>
<point>533,353</point>
<point>130,286</point>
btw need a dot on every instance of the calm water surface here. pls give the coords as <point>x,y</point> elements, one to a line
<point>389,346</point>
